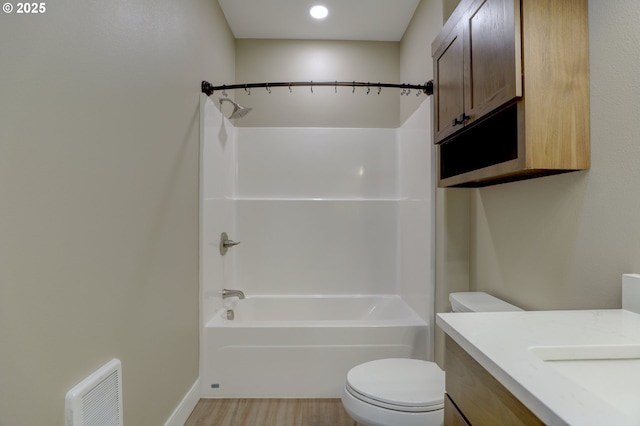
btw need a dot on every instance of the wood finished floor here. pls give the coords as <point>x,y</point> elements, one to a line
<point>269,412</point>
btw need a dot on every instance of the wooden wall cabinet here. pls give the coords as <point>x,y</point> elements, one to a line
<point>477,67</point>
<point>448,84</point>
<point>511,91</point>
<point>475,397</point>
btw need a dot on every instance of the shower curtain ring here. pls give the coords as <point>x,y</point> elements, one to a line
<point>290,90</point>
<point>311,86</point>
<point>368,87</point>
<point>268,88</point>
<point>247,90</point>
<point>354,87</point>
<point>379,88</point>
<point>224,91</point>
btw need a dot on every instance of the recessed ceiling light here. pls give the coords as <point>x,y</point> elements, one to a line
<point>319,12</point>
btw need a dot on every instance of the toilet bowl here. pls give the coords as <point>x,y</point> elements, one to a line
<point>395,391</point>
<point>407,392</point>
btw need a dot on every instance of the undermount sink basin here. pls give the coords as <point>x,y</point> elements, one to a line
<point>611,372</point>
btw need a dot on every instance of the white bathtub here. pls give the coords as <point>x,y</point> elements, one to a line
<point>303,346</point>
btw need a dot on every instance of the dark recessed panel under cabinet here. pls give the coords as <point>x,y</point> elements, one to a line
<point>520,108</point>
<point>488,143</point>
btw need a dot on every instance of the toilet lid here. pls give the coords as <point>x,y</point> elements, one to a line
<point>409,383</point>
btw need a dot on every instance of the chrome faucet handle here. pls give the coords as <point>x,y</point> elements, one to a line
<point>230,243</point>
<point>225,243</point>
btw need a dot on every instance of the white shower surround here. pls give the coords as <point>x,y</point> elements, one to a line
<point>317,211</point>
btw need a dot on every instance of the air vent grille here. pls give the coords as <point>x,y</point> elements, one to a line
<point>97,400</point>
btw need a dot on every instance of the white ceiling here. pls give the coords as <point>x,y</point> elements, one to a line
<point>379,20</point>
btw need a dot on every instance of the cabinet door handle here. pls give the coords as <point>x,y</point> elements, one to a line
<point>460,120</point>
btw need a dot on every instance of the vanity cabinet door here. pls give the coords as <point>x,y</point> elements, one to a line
<point>479,397</point>
<point>493,64</point>
<point>453,417</point>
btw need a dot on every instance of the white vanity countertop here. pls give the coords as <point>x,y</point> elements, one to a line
<point>501,342</point>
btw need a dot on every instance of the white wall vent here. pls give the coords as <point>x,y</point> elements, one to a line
<point>97,400</point>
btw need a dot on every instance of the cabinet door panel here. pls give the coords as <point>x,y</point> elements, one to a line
<point>478,395</point>
<point>493,65</point>
<point>448,84</point>
<point>453,417</point>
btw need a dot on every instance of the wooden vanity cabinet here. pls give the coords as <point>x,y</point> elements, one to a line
<point>511,91</point>
<point>452,416</point>
<point>475,397</point>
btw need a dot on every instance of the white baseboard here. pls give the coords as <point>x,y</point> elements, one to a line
<point>186,406</point>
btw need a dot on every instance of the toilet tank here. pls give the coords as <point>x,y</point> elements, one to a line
<point>476,301</point>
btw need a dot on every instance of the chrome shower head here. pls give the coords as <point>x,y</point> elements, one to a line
<point>238,110</point>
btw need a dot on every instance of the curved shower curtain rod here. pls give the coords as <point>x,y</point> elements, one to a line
<point>427,88</point>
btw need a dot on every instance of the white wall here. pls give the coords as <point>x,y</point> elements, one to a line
<point>99,200</point>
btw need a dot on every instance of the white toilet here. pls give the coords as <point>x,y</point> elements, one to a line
<point>407,392</point>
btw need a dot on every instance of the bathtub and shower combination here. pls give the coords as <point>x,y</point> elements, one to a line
<point>320,212</point>
<point>303,346</point>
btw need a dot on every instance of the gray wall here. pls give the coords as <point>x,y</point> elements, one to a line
<point>415,52</point>
<point>99,145</point>
<point>560,242</point>
<point>259,61</point>
<point>448,6</point>
<point>563,242</point>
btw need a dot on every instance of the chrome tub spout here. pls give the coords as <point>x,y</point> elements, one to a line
<point>232,293</point>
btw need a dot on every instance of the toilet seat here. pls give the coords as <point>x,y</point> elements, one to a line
<point>400,384</point>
